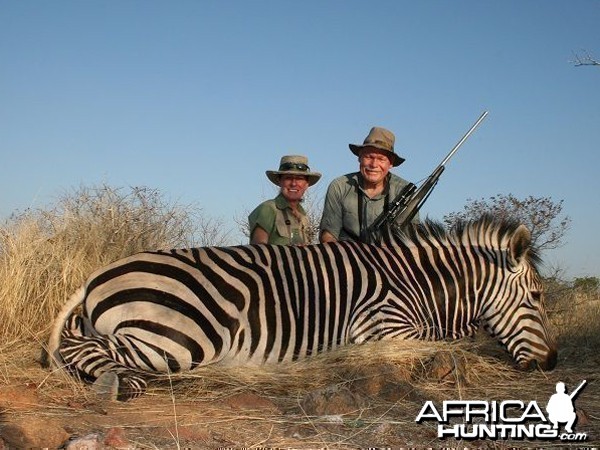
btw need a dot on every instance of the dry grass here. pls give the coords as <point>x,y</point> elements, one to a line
<point>576,316</point>
<point>45,255</point>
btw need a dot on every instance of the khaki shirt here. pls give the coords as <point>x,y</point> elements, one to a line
<point>276,218</point>
<point>340,211</point>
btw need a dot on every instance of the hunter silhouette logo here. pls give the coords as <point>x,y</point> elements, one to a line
<point>560,406</point>
<point>506,419</point>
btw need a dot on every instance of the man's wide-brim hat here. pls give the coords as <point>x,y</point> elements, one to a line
<point>293,165</point>
<point>380,139</point>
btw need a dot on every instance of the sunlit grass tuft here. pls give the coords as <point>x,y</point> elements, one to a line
<point>46,254</point>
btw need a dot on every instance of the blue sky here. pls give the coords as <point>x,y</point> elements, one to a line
<point>199,98</point>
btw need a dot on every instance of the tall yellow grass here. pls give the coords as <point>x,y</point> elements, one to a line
<point>575,317</point>
<point>46,254</point>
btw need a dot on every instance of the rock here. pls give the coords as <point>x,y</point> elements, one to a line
<point>248,400</point>
<point>114,438</point>
<point>32,432</point>
<point>371,379</point>
<point>447,367</point>
<point>332,400</point>
<point>18,397</point>
<point>385,381</point>
<point>88,442</point>
<point>394,391</point>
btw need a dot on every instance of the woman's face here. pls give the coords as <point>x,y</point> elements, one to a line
<point>293,187</point>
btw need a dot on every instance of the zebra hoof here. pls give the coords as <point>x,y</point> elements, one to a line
<point>106,386</point>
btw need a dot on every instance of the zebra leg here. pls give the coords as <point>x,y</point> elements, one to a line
<point>102,359</point>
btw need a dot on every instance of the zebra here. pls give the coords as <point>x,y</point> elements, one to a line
<point>171,311</point>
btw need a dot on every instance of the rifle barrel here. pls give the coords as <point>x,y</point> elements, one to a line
<point>576,391</point>
<point>464,138</point>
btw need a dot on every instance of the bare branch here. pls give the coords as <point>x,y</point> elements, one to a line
<point>585,60</point>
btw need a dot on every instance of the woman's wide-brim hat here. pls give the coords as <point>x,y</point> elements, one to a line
<point>293,165</point>
<point>380,139</point>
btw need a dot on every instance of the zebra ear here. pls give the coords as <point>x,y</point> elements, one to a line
<point>519,244</point>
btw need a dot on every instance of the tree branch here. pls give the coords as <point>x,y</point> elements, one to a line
<point>585,60</point>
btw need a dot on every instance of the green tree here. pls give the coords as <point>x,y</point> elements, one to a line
<point>542,215</point>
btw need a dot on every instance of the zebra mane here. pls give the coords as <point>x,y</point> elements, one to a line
<point>486,224</point>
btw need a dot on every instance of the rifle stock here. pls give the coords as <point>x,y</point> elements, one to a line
<point>408,202</point>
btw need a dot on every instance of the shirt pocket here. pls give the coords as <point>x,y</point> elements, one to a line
<point>283,229</point>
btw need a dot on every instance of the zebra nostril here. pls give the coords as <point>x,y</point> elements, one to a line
<point>533,364</point>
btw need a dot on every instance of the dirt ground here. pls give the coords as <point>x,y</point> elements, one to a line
<point>367,397</point>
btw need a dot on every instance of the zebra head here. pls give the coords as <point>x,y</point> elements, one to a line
<point>514,310</point>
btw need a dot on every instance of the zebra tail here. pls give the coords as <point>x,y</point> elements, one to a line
<point>50,354</point>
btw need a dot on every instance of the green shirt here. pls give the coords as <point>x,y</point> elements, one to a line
<point>276,218</point>
<point>340,211</point>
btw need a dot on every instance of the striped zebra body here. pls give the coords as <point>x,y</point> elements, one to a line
<point>171,311</point>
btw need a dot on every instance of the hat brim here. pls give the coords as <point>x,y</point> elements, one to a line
<point>273,175</point>
<point>396,160</point>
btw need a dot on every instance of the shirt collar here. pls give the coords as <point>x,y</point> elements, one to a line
<point>386,187</point>
<point>282,203</point>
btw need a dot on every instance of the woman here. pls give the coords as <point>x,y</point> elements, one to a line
<point>282,220</point>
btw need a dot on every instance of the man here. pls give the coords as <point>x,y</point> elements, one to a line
<point>354,201</point>
<point>560,408</point>
<point>282,220</point>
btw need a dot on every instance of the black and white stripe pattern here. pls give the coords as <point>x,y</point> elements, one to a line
<point>171,311</point>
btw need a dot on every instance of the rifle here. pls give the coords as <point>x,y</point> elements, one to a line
<point>576,391</point>
<point>410,199</point>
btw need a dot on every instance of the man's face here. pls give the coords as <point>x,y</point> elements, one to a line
<point>293,187</point>
<point>374,165</point>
